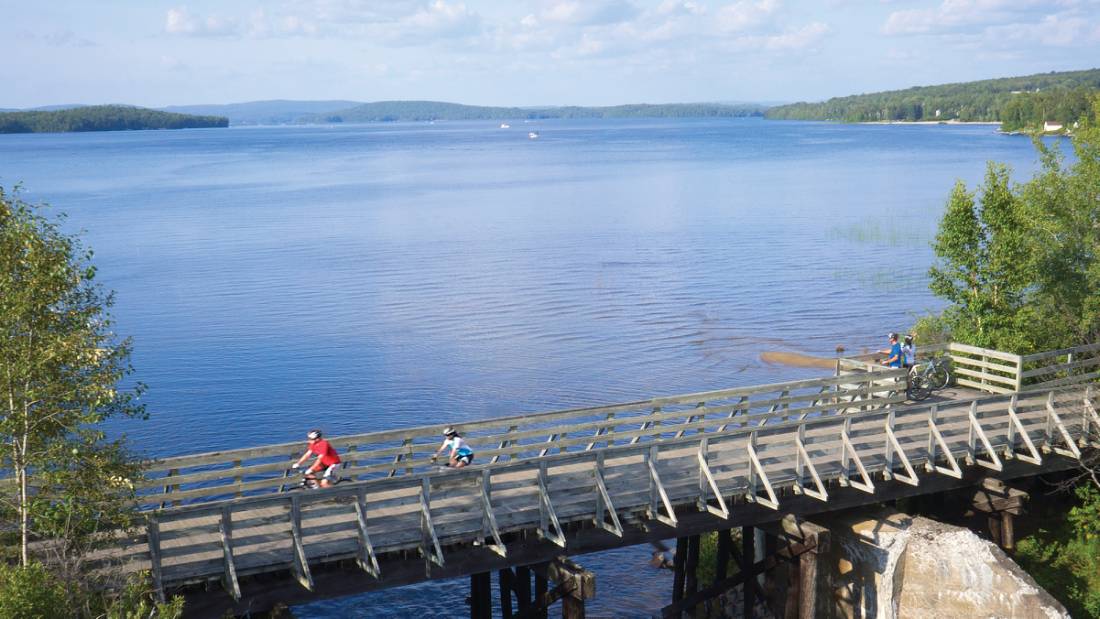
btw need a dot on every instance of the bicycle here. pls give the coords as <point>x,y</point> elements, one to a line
<point>926,378</point>
<point>934,371</point>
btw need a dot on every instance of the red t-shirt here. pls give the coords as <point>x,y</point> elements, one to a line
<point>327,453</point>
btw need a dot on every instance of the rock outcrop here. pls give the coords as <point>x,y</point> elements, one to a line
<point>897,567</point>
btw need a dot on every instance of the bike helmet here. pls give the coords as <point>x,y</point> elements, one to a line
<point>314,435</point>
<point>892,335</point>
<point>449,431</point>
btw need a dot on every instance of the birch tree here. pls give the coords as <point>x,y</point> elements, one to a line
<point>63,483</point>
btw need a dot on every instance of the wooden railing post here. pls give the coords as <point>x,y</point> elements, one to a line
<point>153,535</point>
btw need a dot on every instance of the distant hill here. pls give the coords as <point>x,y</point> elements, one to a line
<point>102,118</point>
<point>389,111</point>
<point>275,112</point>
<point>984,100</point>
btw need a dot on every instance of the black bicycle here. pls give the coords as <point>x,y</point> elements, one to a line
<point>927,377</point>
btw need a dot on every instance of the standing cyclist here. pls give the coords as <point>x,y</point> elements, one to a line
<point>893,353</point>
<point>327,459</point>
<point>908,352</point>
<point>461,454</point>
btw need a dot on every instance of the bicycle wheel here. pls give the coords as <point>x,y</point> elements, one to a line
<point>919,389</point>
<point>938,377</point>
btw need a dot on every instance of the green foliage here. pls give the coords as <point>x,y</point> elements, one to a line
<point>1063,209</point>
<point>1085,517</point>
<point>34,592</point>
<point>1021,102</point>
<point>60,366</point>
<point>982,265</point>
<point>1020,265</point>
<point>31,592</point>
<point>137,601</point>
<point>708,557</point>
<point>1028,111</point>
<point>1065,558</point>
<point>102,118</point>
<point>930,329</point>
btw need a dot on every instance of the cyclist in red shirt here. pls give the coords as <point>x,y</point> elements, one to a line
<point>327,459</point>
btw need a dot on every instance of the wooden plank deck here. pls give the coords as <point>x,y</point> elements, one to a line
<point>694,466</point>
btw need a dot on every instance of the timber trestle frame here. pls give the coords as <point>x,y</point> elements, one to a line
<point>761,461</point>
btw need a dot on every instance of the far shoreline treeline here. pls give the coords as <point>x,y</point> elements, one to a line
<point>102,118</point>
<point>1018,103</point>
<point>1027,104</point>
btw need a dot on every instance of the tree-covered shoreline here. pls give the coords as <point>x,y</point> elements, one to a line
<point>396,111</point>
<point>103,118</point>
<point>1019,103</point>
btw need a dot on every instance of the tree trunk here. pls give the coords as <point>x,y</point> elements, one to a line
<point>24,518</point>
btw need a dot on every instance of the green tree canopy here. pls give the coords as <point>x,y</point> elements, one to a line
<point>1020,265</point>
<point>67,486</point>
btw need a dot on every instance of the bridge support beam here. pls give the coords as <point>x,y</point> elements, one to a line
<point>481,596</point>
<point>748,555</point>
<point>801,543</point>
<point>506,582</point>
<point>1001,504</point>
<point>522,588</point>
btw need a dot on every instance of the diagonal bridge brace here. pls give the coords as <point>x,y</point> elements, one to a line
<point>973,436</point>
<point>657,492</point>
<point>1015,425</point>
<point>848,451</point>
<point>429,542</point>
<point>1054,421</point>
<point>547,516</point>
<point>756,474</point>
<point>803,461</point>
<point>604,507</point>
<point>935,439</point>
<point>488,519</point>
<point>706,480</point>
<point>893,446</point>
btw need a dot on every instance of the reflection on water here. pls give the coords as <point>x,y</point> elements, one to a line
<point>366,277</point>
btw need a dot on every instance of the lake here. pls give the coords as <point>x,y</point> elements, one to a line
<point>357,278</point>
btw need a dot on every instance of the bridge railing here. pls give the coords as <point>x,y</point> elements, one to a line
<point>754,459</point>
<point>984,369</point>
<point>235,473</point>
<point>1060,367</point>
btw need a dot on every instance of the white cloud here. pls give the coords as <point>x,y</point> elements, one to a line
<point>805,37</point>
<point>439,20</point>
<point>589,12</point>
<point>1053,30</point>
<point>955,15</point>
<point>181,21</point>
<point>988,25</point>
<point>745,15</point>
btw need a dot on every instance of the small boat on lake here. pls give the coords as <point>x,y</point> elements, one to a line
<point>534,135</point>
<point>505,126</point>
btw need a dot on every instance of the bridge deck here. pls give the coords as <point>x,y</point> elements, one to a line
<point>710,466</point>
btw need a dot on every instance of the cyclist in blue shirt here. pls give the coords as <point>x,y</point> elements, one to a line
<point>461,454</point>
<point>894,353</point>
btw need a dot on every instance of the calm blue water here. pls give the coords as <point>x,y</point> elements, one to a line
<point>366,277</point>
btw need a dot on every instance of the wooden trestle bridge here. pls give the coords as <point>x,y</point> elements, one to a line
<point>576,481</point>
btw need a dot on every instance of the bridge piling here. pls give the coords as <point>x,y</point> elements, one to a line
<point>691,567</point>
<point>505,579</point>
<point>748,554</point>
<point>481,596</point>
<point>522,588</point>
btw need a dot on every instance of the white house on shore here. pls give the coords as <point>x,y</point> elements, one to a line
<point>1050,125</point>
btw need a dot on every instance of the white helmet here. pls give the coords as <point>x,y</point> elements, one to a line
<point>314,435</point>
<point>449,431</point>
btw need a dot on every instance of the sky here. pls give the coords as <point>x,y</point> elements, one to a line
<point>524,52</point>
